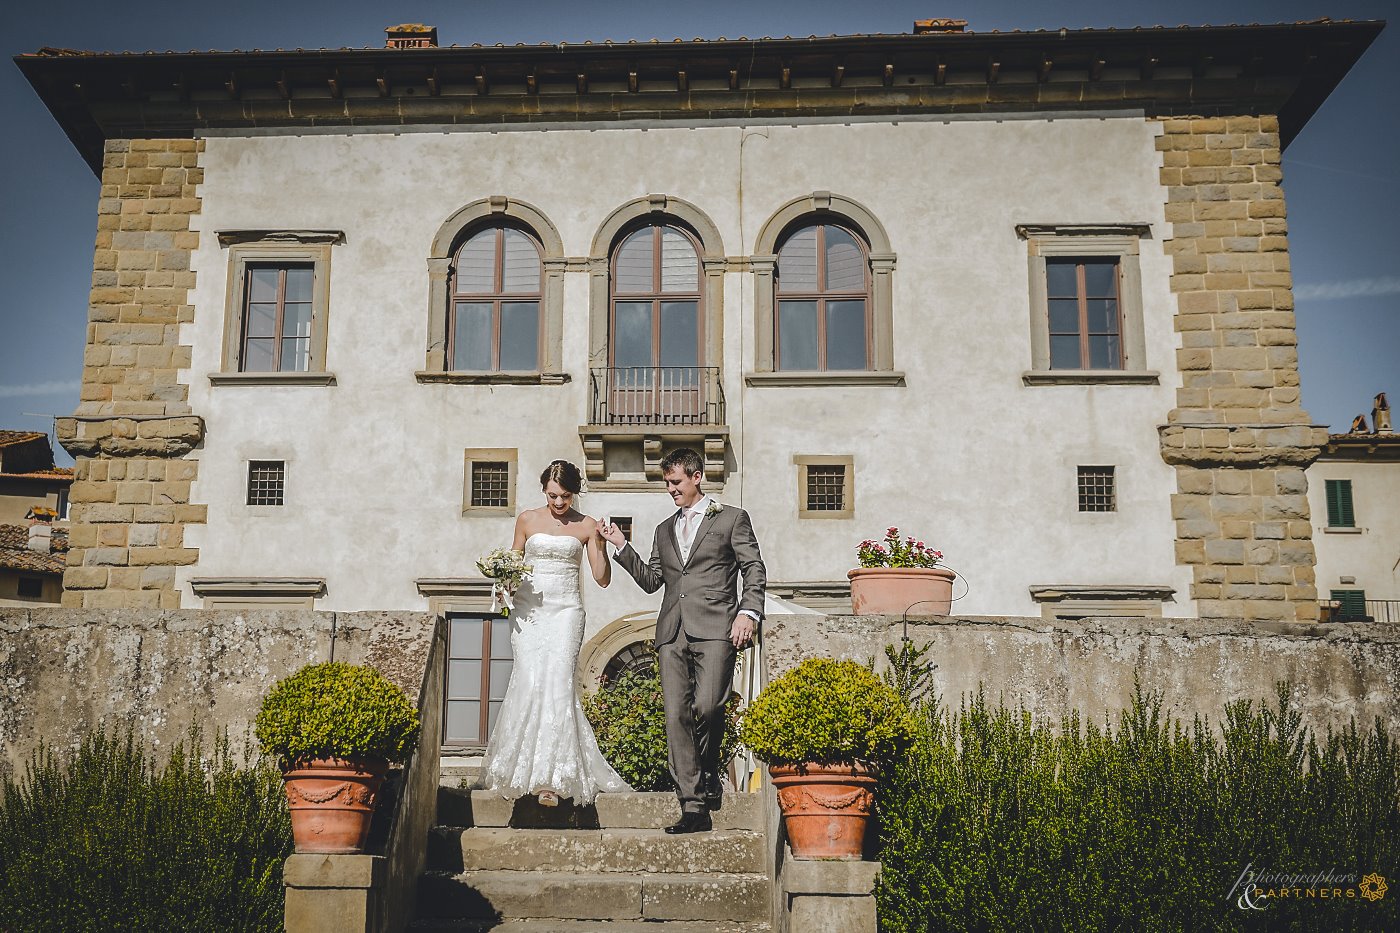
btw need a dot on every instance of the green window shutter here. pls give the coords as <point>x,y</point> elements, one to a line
<point>1352,604</point>
<point>1339,510</point>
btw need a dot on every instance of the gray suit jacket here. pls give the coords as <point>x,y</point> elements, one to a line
<point>701,595</point>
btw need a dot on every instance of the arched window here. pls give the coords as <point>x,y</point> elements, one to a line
<point>823,299</point>
<point>656,325</point>
<point>495,289</point>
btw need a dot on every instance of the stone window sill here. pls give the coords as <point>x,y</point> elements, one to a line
<point>1342,530</point>
<point>258,586</point>
<point>1070,377</point>
<point>272,379</point>
<point>830,378</point>
<point>490,379</point>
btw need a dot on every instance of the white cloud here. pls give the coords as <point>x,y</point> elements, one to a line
<point>39,388</point>
<point>1355,288</point>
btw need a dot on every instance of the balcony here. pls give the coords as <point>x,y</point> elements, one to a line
<point>637,413</point>
<point>657,395</point>
<point>1371,610</point>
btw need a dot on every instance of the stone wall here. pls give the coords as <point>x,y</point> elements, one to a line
<point>131,495</point>
<point>63,671</point>
<point>1337,671</point>
<point>1238,437</point>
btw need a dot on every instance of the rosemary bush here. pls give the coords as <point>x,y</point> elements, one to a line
<point>992,821</point>
<point>108,840</point>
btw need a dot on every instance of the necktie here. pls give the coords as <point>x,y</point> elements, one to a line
<point>687,532</point>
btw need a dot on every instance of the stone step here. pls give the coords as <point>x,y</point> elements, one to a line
<point>743,897</point>
<point>605,850</point>
<point>587,926</point>
<point>464,807</point>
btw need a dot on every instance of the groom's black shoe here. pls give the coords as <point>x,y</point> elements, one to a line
<point>714,792</point>
<point>691,823</point>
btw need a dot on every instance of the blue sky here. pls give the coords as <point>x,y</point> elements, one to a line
<point>1340,175</point>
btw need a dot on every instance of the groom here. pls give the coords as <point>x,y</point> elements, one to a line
<point>698,555</point>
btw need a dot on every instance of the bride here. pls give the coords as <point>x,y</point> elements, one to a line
<point>542,743</point>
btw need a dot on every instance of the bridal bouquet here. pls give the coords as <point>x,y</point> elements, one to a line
<point>506,569</point>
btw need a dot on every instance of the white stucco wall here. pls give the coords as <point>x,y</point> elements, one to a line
<point>964,455</point>
<point>1370,553</point>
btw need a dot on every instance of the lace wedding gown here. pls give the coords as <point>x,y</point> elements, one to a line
<point>542,739</point>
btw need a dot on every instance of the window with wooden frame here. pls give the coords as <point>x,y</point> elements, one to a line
<point>489,475</point>
<point>1086,304</point>
<point>822,282</point>
<point>1086,327</point>
<point>278,305</point>
<point>267,482</point>
<point>496,286</point>
<point>624,525</point>
<point>479,665</point>
<point>1340,513</point>
<point>825,486</point>
<point>1351,605</point>
<point>656,302</point>
<point>1097,489</point>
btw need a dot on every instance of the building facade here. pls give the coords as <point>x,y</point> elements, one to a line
<point>1026,296</point>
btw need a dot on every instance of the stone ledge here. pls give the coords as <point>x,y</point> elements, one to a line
<point>130,436</point>
<point>272,379</point>
<point>492,379</point>
<point>304,870</point>
<point>1109,377</point>
<point>816,876</point>
<point>1241,445</point>
<point>828,378</point>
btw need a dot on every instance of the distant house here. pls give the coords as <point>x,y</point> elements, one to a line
<point>28,476</point>
<point>33,499</point>
<point>1354,488</point>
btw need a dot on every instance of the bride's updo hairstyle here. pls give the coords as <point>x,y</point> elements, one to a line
<point>565,474</point>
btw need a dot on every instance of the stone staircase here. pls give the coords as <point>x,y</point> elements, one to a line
<point>516,867</point>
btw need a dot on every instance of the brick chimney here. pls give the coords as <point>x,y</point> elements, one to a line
<point>924,27</point>
<point>410,36</point>
<point>1380,415</point>
<point>41,529</point>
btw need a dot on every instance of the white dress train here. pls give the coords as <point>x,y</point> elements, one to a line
<point>542,738</point>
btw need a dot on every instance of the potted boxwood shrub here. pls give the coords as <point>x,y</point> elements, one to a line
<point>824,728</point>
<point>897,574</point>
<point>335,728</point>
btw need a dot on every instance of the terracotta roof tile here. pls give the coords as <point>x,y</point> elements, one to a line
<point>54,473</point>
<point>19,437</point>
<point>15,553</point>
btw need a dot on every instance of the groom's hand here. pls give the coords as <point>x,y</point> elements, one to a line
<point>612,534</point>
<point>741,632</point>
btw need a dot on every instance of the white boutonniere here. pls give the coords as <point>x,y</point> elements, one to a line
<point>714,508</point>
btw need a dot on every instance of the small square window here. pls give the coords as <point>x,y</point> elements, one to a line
<point>825,486</point>
<point>266,482</point>
<point>624,525</point>
<point>30,588</point>
<point>1097,489</point>
<point>489,481</point>
<point>491,484</point>
<point>1340,513</point>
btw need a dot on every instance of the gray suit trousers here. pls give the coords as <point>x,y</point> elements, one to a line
<point>694,708</point>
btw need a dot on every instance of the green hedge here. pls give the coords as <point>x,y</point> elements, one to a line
<point>107,840</point>
<point>995,822</point>
<point>628,718</point>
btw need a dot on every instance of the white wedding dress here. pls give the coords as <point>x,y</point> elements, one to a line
<point>542,738</point>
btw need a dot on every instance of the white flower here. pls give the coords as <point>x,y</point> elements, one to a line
<point>714,509</point>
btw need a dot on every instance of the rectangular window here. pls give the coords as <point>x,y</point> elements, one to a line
<point>489,480</point>
<point>1351,605</point>
<point>479,664</point>
<point>491,484</point>
<point>1097,492</point>
<point>277,305</point>
<point>825,486</point>
<point>277,318</point>
<point>29,588</point>
<point>1086,304</point>
<point>624,525</point>
<point>1082,303</point>
<point>1339,510</point>
<point>266,482</point>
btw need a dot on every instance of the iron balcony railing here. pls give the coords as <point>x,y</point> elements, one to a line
<point>657,395</point>
<point>1376,610</point>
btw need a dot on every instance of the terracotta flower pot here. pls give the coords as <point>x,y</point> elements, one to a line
<point>826,808</point>
<point>892,590</point>
<point>331,802</point>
